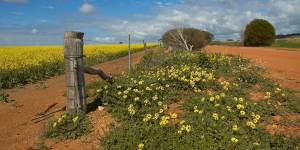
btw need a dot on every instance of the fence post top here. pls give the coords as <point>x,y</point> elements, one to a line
<point>73,34</point>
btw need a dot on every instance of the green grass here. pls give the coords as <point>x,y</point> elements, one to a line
<point>68,126</point>
<point>3,96</point>
<point>227,43</point>
<point>287,43</point>
<point>215,110</point>
<point>293,42</point>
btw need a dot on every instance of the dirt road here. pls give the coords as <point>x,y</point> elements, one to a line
<point>17,131</point>
<point>282,64</point>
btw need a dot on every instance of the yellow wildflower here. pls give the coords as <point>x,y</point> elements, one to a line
<point>234,140</point>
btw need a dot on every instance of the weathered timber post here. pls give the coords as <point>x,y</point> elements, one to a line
<point>145,45</point>
<point>160,43</point>
<point>73,57</point>
<point>129,53</point>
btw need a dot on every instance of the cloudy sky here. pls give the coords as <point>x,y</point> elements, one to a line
<point>43,22</point>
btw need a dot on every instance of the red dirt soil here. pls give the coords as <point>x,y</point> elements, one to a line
<point>282,64</point>
<point>18,132</point>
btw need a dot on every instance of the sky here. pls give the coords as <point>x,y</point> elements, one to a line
<point>43,22</point>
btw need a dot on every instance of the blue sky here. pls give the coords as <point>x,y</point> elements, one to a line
<point>43,22</point>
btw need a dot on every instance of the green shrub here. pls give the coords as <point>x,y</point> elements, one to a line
<point>259,32</point>
<point>195,37</point>
<point>3,96</point>
<point>68,126</point>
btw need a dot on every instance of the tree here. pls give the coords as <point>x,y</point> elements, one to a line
<point>259,32</point>
<point>186,38</point>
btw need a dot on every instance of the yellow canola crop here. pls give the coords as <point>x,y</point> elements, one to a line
<point>20,65</point>
<point>20,57</point>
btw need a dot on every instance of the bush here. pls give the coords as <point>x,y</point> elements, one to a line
<point>3,96</point>
<point>68,126</point>
<point>259,32</point>
<point>195,37</point>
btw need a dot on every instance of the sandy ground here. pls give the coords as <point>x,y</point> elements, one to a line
<point>282,64</point>
<point>18,132</point>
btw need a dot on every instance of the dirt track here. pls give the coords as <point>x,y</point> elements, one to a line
<point>282,64</point>
<point>17,131</point>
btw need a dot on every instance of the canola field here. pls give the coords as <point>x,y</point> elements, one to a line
<point>20,65</point>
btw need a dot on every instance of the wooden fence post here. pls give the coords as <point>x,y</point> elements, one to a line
<point>129,53</point>
<point>145,45</point>
<point>73,57</point>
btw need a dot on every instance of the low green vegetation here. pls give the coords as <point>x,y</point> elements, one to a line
<point>68,126</point>
<point>195,100</point>
<point>3,96</point>
<point>282,43</point>
<point>287,43</point>
<point>227,43</point>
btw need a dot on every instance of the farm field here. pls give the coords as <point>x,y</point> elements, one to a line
<point>292,42</point>
<point>20,65</point>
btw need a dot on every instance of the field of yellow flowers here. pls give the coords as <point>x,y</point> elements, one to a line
<point>190,100</point>
<point>25,64</point>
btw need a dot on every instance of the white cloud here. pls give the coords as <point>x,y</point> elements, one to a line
<point>105,39</point>
<point>34,31</point>
<point>86,8</point>
<point>16,1</point>
<point>225,19</point>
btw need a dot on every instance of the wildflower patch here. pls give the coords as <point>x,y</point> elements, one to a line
<point>217,111</point>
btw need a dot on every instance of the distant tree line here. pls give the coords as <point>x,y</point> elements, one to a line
<point>280,36</point>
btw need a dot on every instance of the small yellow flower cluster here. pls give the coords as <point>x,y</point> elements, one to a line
<point>256,143</point>
<point>240,106</point>
<point>225,85</point>
<point>252,123</point>
<point>235,128</point>
<point>278,90</point>
<point>268,95</point>
<point>215,116</point>
<point>147,117</point>
<point>141,146</point>
<point>173,115</point>
<point>234,140</point>
<point>190,75</point>
<point>60,119</point>
<point>184,127</point>
<point>136,99</point>
<point>155,97</point>
<point>146,102</point>
<point>196,110</point>
<point>164,120</point>
<point>216,97</point>
<point>229,109</point>
<point>131,109</point>
<point>75,119</point>
<point>222,59</point>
